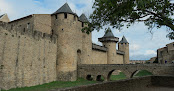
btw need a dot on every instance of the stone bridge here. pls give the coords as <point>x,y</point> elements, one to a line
<point>96,71</point>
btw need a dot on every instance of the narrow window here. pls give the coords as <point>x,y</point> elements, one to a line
<point>11,27</point>
<point>28,25</point>
<point>65,15</point>
<point>56,16</point>
<point>52,32</point>
<point>24,29</point>
<point>82,24</point>
<point>74,18</point>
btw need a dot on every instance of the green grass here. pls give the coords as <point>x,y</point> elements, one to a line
<point>80,81</point>
<point>123,76</point>
<point>52,85</point>
<point>143,73</point>
<point>118,77</point>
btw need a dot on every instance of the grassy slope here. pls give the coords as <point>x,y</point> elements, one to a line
<point>80,81</point>
<point>52,85</point>
<point>123,76</point>
<point>118,77</point>
<point>143,73</point>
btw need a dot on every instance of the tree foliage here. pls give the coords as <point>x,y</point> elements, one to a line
<point>118,13</point>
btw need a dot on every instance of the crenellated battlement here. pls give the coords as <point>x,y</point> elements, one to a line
<point>37,35</point>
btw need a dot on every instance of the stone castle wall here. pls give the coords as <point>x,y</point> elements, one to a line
<point>35,22</point>
<point>99,57</point>
<point>41,48</point>
<point>42,22</point>
<point>119,59</point>
<point>166,54</point>
<point>26,58</point>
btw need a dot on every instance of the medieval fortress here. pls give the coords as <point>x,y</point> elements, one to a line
<point>42,48</point>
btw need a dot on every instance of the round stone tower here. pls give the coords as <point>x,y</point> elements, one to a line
<point>65,24</point>
<point>109,41</point>
<point>86,57</point>
<point>123,45</point>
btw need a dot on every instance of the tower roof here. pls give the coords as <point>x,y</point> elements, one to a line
<point>109,33</point>
<point>83,18</point>
<point>123,40</point>
<point>108,37</point>
<point>64,9</point>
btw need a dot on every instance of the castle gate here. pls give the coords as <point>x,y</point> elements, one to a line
<point>95,70</point>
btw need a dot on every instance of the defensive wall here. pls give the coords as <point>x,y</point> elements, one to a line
<point>27,58</point>
<point>166,54</point>
<point>96,71</point>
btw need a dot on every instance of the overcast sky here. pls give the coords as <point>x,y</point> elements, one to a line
<point>143,44</point>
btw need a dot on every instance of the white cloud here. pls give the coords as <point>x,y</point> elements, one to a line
<point>134,47</point>
<point>150,52</point>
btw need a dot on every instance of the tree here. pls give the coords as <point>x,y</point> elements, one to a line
<point>119,13</point>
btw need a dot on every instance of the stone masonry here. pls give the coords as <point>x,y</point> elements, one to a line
<point>96,71</point>
<point>166,54</point>
<point>41,48</point>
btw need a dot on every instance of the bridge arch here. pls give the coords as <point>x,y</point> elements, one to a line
<point>100,78</point>
<point>112,71</point>
<point>141,73</point>
<point>89,77</point>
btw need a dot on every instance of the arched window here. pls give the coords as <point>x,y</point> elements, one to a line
<point>28,25</point>
<point>78,56</point>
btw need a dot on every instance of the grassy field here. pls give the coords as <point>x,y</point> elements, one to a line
<point>80,81</point>
<point>52,85</point>
<point>143,73</point>
<point>118,77</point>
<point>123,76</point>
